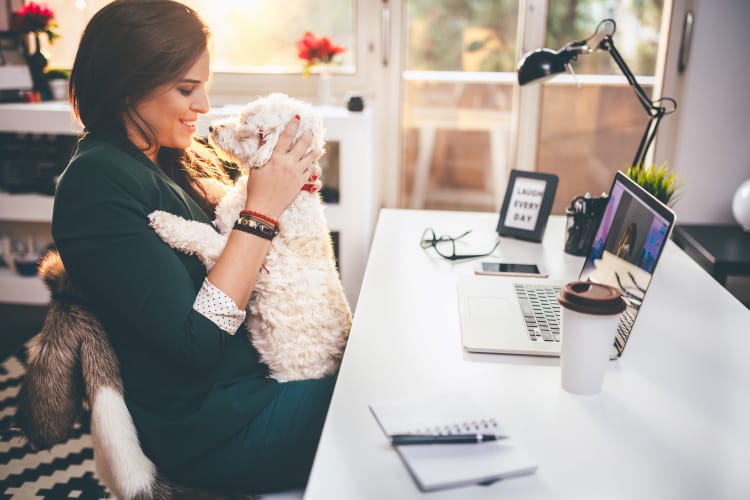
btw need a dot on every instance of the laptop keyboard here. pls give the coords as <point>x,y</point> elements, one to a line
<point>627,318</point>
<point>541,311</point>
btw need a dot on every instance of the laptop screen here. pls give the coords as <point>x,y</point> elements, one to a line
<point>631,236</point>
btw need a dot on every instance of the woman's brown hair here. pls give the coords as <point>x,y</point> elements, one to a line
<point>128,49</point>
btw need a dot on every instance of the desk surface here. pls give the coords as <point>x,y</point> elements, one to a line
<point>670,422</point>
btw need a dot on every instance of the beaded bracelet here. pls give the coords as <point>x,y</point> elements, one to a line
<point>257,228</point>
<point>250,213</point>
<point>253,220</point>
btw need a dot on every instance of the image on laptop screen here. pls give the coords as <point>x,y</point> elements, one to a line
<point>627,245</point>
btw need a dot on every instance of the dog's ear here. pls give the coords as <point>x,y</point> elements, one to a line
<point>243,132</point>
<point>270,138</point>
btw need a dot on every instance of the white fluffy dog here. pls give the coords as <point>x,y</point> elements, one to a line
<point>298,315</point>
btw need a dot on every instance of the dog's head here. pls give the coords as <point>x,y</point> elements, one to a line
<point>249,139</point>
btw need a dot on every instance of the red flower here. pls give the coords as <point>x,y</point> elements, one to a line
<point>316,50</point>
<point>33,18</point>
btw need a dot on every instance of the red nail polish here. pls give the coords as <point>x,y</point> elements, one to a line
<point>313,178</point>
<point>313,189</point>
<point>297,117</point>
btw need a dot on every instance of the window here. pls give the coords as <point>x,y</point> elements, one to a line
<point>458,95</point>
<point>449,83</point>
<point>461,103</point>
<point>586,134</point>
<point>249,36</point>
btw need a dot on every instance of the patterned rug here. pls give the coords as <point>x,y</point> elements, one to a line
<point>64,471</point>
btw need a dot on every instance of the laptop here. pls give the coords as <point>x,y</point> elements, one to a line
<point>521,315</point>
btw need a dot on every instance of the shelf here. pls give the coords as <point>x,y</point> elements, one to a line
<point>18,289</point>
<point>26,207</point>
<point>38,118</point>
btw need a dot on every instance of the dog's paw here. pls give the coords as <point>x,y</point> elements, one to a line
<point>188,236</point>
<point>165,224</point>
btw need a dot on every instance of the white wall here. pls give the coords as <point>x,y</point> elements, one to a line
<point>712,153</point>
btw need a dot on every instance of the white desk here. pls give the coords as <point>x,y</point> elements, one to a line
<point>670,423</point>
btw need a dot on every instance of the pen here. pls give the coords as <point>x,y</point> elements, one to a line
<point>405,439</point>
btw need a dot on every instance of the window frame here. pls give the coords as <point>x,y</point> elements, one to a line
<point>532,26</point>
<point>233,88</point>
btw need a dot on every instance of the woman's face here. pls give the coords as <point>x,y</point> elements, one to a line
<point>172,109</point>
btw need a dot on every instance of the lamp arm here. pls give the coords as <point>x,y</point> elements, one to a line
<point>656,112</point>
<point>602,40</point>
<point>609,45</point>
<point>647,138</point>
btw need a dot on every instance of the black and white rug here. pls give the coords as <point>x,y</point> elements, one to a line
<point>64,471</point>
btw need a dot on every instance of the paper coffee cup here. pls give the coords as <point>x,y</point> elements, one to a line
<point>590,315</point>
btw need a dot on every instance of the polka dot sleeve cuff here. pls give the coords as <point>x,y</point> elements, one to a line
<point>218,308</point>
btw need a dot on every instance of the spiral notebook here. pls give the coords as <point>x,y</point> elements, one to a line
<point>440,466</point>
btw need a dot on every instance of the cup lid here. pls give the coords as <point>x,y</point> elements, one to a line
<point>591,298</point>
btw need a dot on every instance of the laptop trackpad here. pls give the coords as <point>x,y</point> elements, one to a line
<point>491,318</point>
<point>491,324</point>
<point>493,309</point>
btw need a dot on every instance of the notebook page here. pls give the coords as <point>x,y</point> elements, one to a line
<point>445,415</point>
<point>438,466</point>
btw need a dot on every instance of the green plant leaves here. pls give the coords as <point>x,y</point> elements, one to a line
<point>659,181</point>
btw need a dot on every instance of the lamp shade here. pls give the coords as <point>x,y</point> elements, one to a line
<point>540,65</point>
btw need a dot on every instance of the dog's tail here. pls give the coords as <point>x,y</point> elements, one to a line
<point>70,361</point>
<point>51,396</point>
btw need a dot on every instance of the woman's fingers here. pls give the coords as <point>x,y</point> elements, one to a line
<point>316,173</point>
<point>314,182</point>
<point>284,144</point>
<point>298,156</point>
<point>299,150</point>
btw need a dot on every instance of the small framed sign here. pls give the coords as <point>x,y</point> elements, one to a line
<point>527,204</point>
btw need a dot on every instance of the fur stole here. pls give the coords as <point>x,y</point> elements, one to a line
<point>71,371</point>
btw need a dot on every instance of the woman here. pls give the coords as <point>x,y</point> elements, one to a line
<point>206,412</point>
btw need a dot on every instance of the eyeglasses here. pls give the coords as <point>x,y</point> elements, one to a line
<point>445,246</point>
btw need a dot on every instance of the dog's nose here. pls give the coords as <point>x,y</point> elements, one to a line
<point>210,128</point>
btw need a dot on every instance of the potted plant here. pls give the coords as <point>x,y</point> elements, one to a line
<point>28,22</point>
<point>659,181</point>
<point>319,51</point>
<point>57,78</point>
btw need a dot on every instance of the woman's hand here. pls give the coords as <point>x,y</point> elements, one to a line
<point>271,188</point>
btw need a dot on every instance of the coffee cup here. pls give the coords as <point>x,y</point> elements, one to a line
<point>590,315</point>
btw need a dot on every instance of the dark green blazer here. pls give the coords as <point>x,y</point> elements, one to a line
<point>188,385</point>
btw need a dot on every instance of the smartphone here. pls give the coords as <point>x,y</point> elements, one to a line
<point>508,269</point>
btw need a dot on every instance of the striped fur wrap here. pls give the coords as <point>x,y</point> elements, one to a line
<point>73,373</point>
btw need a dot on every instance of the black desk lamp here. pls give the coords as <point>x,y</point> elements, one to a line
<point>542,64</point>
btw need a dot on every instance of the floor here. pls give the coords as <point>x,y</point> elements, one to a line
<point>18,323</point>
<point>64,471</point>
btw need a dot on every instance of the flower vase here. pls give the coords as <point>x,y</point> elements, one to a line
<point>37,63</point>
<point>324,86</point>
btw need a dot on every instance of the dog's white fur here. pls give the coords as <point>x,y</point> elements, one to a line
<point>298,315</point>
